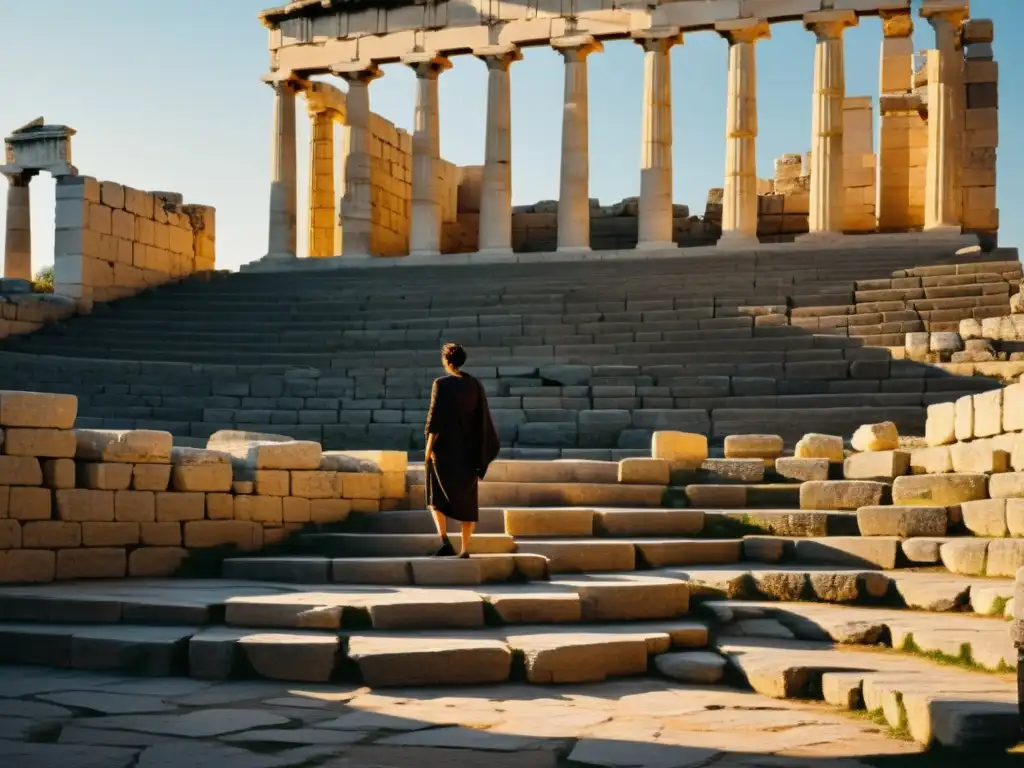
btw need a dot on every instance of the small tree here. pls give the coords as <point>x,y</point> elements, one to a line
<point>43,282</point>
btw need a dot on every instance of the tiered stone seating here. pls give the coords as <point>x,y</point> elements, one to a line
<point>580,359</point>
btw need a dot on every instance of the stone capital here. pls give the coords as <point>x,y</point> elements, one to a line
<point>744,30</point>
<point>17,176</point>
<point>658,38</point>
<point>279,78</point>
<point>498,56</point>
<point>897,23</point>
<point>829,25</point>
<point>940,13</point>
<point>356,71</point>
<point>426,64</point>
<point>576,47</point>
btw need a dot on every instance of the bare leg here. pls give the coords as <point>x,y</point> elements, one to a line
<point>440,522</point>
<point>467,536</point>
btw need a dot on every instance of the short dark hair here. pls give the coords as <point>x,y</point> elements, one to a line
<point>454,355</point>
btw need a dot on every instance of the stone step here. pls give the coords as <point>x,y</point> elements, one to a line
<point>967,639</point>
<point>936,705</point>
<point>359,545</point>
<point>967,555</point>
<point>563,494</point>
<point>589,555</point>
<point>881,552</point>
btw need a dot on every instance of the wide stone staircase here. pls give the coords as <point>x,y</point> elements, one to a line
<point>580,359</point>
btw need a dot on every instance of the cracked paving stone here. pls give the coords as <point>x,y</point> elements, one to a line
<point>464,738</point>
<point>196,725</point>
<point>206,755</point>
<point>110,703</point>
<point>164,687</point>
<point>19,727</point>
<point>75,734</point>
<point>36,710</point>
<point>21,755</point>
<point>417,757</point>
<point>374,721</point>
<point>629,754</point>
<point>306,736</point>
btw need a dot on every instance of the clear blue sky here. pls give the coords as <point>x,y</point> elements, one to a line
<point>168,96</point>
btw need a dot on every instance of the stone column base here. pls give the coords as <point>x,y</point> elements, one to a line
<point>737,241</point>
<point>653,246</point>
<point>573,249</point>
<point>820,237</point>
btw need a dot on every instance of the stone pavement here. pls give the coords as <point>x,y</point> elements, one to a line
<point>83,720</point>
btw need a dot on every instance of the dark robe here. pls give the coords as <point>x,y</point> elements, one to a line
<point>465,444</point>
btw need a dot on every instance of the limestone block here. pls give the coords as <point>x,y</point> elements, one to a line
<point>841,494</point>
<point>27,503</point>
<point>917,345</point>
<point>939,490</point>
<point>965,557</point>
<point>1013,408</point>
<point>930,461</point>
<point>358,485</point>
<point>206,478</point>
<point>151,477</point>
<point>753,446</point>
<point>200,534</point>
<point>1015,517</point>
<point>272,482</point>
<point>380,461</point>
<point>37,410</point>
<point>393,485</point>
<point>940,425</point>
<point>793,468</point>
<point>220,506</point>
<point>110,534</point>
<point>1009,485</point>
<point>988,413</point>
<point>26,566</point>
<point>1005,558</point>
<point>985,517</point>
<point>259,509</point>
<point>104,477</point>
<point>100,563</point>
<point>964,418</point>
<point>160,534</point>
<point>43,443</point>
<point>329,510</point>
<point>970,328</point>
<point>134,506</point>
<point>906,522</point>
<point>83,505</point>
<point>978,457</point>
<point>876,437</point>
<point>136,446</point>
<point>51,534</point>
<point>174,507</point>
<point>314,484</point>
<point>295,509</point>
<point>644,471</point>
<point>816,446</point>
<point>10,534</point>
<point>156,562</point>
<point>363,506</point>
<point>876,465</point>
<point>243,487</point>
<point>683,447</point>
<point>945,342</point>
<point>5,501</point>
<point>20,470</point>
<point>256,453</point>
<point>59,473</point>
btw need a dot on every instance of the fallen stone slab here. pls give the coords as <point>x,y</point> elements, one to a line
<point>293,656</point>
<point>428,660</point>
<point>818,446</point>
<point>876,437</point>
<point>905,522</point>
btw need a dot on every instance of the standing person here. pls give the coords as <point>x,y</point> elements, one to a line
<point>461,444</point>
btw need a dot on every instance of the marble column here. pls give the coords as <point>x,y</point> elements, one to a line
<point>356,204</point>
<point>828,194</point>
<point>425,223</point>
<point>654,228</point>
<point>574,178</point>
<point>496,188</point>
<point>943,203</point>
<point>739,204</point>
<point>18,245</point>
<point>283,175</point>
<point>322,219</point>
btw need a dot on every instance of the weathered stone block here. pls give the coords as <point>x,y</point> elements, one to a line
<point>1009,485</point>
<point>964,418</point>
<point>259,509</point>
<point>931,461</point>
<point>151,477</point>
<point>988,413</point>
<point>10,534</point>
<point>816,446</point>
<point>1013,408</point>
<point>110,534</point>
<point>939,490</point>
<point>220,506</point>
<point>731,470</point>
<point>42,443</point>
<point>206,478</point>
<point>358,485</point>
<point>329,510</point>
<point>793,468</point>
<point>295,509</point>
<point>1005,558</point>
<point>104,477</point>
<point>174,507</point>
<point>51,534</point>
<point>966,557</point>
<point>256,453</point>
<point>876,437</point>
<point>20,470</point>
<point>136,446</point>
<point>906,522</point>
<point>677,447</point>
<point>712,496</point>
<point>26,566</point>
<point>392,485</point>
<point>160,534</point>
<point>38,410</point>
<point>979,458</point>
<point>156,562</point>
<point>842,494</point>
<point>985,517</point>
<point>1015,517</point>
<point>27,503</point>
<point>200,534</point>
<point>59,473</point>
<point>99,563</point>
<point>134,506</point>
<point>753,446</point>
<point>364,461</point>
<point>644,471</point>
<point>85,506</point>
<point>876,465</point>
<point>314,484</point>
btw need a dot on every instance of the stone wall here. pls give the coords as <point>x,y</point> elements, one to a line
<point>22,311</point>
<point>981,74</point>
<point>391,187</point>
<point>859,165</point>
<point>80,504</point>
<point>113,241</point>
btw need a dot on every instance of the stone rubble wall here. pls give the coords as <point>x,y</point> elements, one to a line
<point>112,241</point>
<point>85,503</point>
<point>22,311</point>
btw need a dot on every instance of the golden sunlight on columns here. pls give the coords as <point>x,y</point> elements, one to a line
<point>322,218</point>
<point>828,194</point>
<point>496,187</point>
<point>654,228</point>
<point>946,103</point>
<point>739,204</point>
<point>283,174</point>
<point>425,224</point>
<point>574,181</point>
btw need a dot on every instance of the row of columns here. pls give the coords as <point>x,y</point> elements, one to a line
<point>655,226</point>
